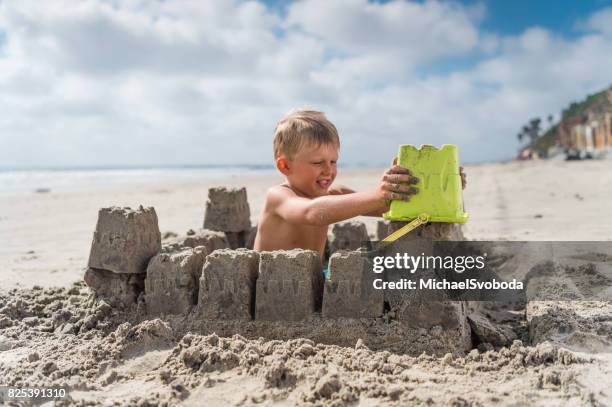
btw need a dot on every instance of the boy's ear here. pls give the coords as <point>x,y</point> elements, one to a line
<point>283,165</point>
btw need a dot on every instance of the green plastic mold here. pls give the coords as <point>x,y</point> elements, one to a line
<point>440,195</point>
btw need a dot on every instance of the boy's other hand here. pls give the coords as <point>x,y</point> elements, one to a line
<point>463,178</point>
<point>396,184</point>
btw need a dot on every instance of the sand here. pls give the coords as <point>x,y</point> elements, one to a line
<point>53,332</point>
<point>111,360</point>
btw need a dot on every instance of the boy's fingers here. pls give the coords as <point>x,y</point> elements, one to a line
<point>397,178</point>
<point>401,188</point>
<point>405,189</point>
<point>394,196</point>
<point>394,162</point>
<point>396,169</point>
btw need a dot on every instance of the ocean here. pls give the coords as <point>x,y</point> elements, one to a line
<point>74,179</point>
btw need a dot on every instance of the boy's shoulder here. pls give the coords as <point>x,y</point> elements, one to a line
<point>278,193</point>
<point>281,189</point>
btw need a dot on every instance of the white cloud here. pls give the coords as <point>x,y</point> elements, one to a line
<point>407,31</point>
<point>144,82</point>
<point>600,21</point>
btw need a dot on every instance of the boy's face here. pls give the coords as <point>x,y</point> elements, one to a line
<point>313,169</point>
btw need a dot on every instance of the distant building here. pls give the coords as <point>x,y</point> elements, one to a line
<point>589,131</point>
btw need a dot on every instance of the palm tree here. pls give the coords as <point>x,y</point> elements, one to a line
<point>530,130</point>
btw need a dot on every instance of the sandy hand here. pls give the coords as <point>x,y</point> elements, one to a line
<point>396,184</point>
<point>463,178</point>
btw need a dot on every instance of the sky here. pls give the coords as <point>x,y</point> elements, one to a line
<point>191,82</point>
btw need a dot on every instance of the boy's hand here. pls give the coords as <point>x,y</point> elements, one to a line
<point>395,184</point>
<point>463,178</point>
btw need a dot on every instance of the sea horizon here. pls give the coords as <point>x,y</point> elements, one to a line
<point>104,167</point>
<point>44,179</point>
<point>52,178</point>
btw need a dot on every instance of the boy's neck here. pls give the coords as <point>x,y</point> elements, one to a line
<point>287,184</point>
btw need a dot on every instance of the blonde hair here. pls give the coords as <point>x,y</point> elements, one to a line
<point>300,128</point>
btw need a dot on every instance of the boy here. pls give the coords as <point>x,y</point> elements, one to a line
<point>298,212</point>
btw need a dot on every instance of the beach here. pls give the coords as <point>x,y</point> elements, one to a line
<point>138,143</point>
<point>46,237</point>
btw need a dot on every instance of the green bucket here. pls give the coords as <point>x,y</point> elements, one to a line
<point>440,194</point>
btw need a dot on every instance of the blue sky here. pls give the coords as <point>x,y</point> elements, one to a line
<point>106,82</point>
<point>560,16</point>
<point>511,17</point>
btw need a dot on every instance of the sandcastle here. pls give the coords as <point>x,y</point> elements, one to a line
<point>227,210</point>
<point>350,235</point>
<point>289,286</point>
<point>123,243</point>
<point>207,281</point>
<point>227,285</point>
<point>170,285</point>
<point>210,239</point>
<point>349,292</point>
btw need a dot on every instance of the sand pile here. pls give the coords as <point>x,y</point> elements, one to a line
<point>580,325</point>
<point>68,338</point>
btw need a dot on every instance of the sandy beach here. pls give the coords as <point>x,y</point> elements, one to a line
<point>46,236</point>
<point>139,140</point>
<point>118,358</point>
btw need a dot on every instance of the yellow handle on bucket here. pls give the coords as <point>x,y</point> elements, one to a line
<point>418,221</point>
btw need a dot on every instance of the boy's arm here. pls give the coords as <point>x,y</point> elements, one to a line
<point>329,209</point>
<point>323,210</point>
<point>343,190</point>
